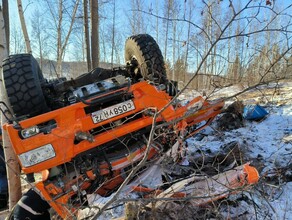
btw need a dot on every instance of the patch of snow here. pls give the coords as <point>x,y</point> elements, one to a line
<point>265,138</point>
<point>282,205</point>
<point>227,91</point>
<point>267,142</point>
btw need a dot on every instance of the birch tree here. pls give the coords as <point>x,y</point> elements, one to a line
<point>174,17</point>
<point>168,8</point>
<point>190,14</point>
<point>6,23</point>
<point>40,37</point>
<point>23,26</point>
<point>113,33</point>
<point>12,166</point>
<point>137,21</point>
<point>62,28</point>
<point>17,44</point>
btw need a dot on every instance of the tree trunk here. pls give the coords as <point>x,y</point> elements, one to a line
<point>86,34</point>
<point>12,166</point>
<point>103,44</point>
<point>187,44</point>
<point>23,27</point>
<point>173,51</point>
<point>157,20</point>
<point>59,39</point>
<point>113,34</point>
<point>41,50</point>
<point>210,34</point>
<point>94,33</point>
<point>6,23</point>
<point>167,27</point>
<point>62,46</point>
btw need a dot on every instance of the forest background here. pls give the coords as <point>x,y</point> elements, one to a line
<point>250,48</point>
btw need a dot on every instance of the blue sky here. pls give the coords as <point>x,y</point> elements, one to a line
<point>122,21</point>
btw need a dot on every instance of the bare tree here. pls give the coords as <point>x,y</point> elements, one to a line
<point>174,16</point>
<point>86,34</point>
<point>62,29</point>
<point>40,36</point>
<point>94,21</point>
<point>6,22</point>
<point>157,27</point>
<point>17,44</point>
<point>186,44</point>
<point>113,32</point>
<point>23,26</point>
<point>12,166</point>
<point>168,7</point>
<point>136,19</point>
<point>59,38</point>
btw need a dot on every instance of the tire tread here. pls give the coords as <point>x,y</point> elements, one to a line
<point>21,81</point>
<point>151,53</point>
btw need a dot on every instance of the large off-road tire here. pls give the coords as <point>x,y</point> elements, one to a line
<point>142,52</point>
<point>22,80</point>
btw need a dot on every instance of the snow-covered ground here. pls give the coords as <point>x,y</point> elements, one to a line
<point>266,144</point>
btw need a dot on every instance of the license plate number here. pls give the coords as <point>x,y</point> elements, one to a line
<point>112,111</point>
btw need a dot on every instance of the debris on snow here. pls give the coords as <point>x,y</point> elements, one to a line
<point>232,117</point>
<point>213,188</point>
<point>254,112</point>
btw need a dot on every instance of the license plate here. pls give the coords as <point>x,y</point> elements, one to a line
<point>112,111</point>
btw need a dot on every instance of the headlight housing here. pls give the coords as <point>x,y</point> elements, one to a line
<point>37,155</point>
<point>29,132</point>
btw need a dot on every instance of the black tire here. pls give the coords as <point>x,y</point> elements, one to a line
<point>144,54</point>
<point>22,81</point>
<point>33,200</point>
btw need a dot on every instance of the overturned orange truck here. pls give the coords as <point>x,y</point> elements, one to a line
<point>85,134</point>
